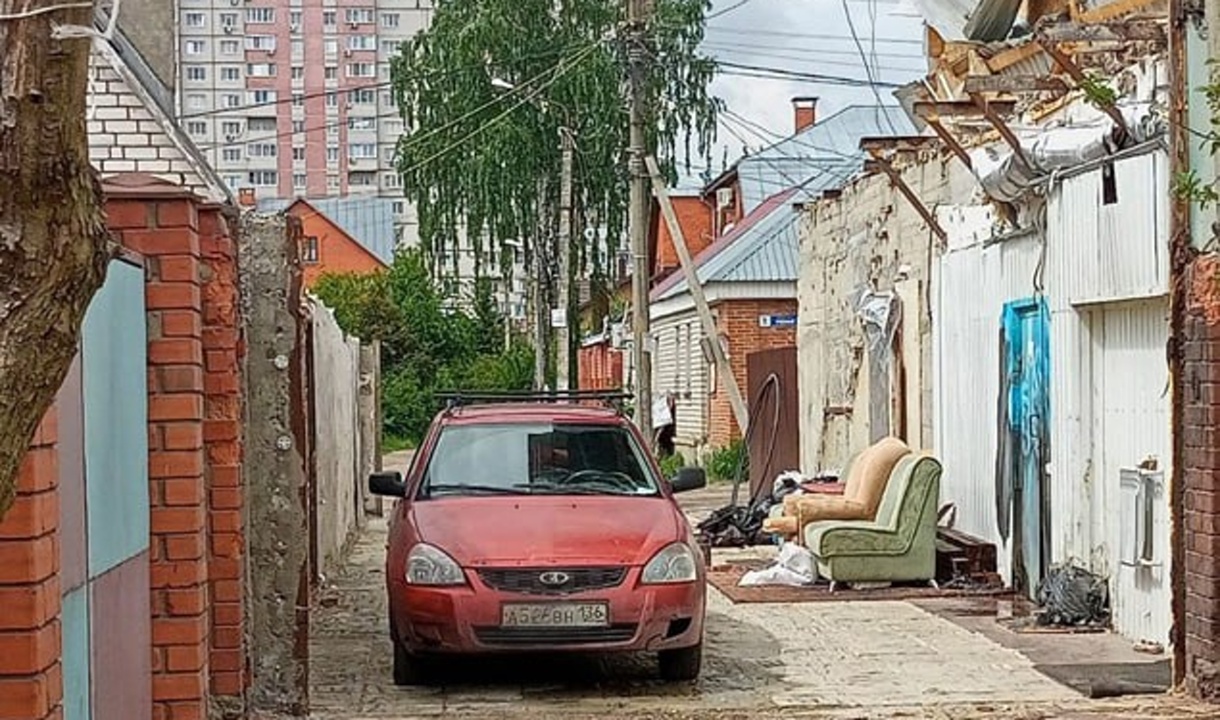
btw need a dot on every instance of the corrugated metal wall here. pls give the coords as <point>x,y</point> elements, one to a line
<point>678,366</point>
<point>1109,373</point>
<point>970,288</point>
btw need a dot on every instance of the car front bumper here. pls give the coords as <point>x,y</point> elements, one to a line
<point>467,619</point>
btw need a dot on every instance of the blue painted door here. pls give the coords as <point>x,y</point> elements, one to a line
<point>1027,346</point>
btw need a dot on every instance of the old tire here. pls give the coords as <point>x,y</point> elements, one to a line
<point>681,665</point>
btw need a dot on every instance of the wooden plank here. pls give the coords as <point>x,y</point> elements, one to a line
<point>952,142</point>
<point>961,108</point>
<point>898,143</point>
<point>897,181</point>
<point>1102,32</point>
<point>1015,84</point>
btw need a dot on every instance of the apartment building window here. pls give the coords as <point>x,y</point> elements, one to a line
<point>309,253</point>
<point>331,72</point>
<point>265,43</point>
<point>332,100</point>
<point>262,125</point>
<point>230,47</point>
<point>393,127</point>
<point>332,182</point>
<point>194,47</point>
<point>196,73</point>
<point>332,153</point>
<point>298,152</point>
<point>389,47</point>
<point>231,128</point>
<point>196,20</point>
<point>298,126</point>
<point>328,19</point>
<point>387,99</point>
<point>399,207</point>
<point>362,179</point>
<point>197,127</point>
<point>362,96</point>
<point>261,69</point>
<point>233,181</point>
<point>391,180</point>
<point>357,16</point>
<point>298,99</point>
<point>361,42</point>
<point>331,46</point>
<point>361,123</point>
<point>387,155</point>
<point>262,97</point>
<point>298,72</point>
<point>230,101</point>
<point>230,73</point>
<point>294,21</point>
<point>383,72</point>
<point>264,178</point>
<point>194,101</point>
<point>390,20</point>
<point>231,154</point>
<point>361,70</point>
<point>298,181</point>
<point>361,151</point>
<point>228,21</point>
<point>262,150</point>
<point>332,131</point>
<point>260,15</point>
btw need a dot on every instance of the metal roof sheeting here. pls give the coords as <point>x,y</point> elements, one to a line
<point>976,20</point>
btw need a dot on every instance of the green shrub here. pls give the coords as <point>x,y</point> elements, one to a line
<point>672,464</point>
<point>725,461</point>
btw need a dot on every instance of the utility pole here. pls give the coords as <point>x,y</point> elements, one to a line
<point>563,337</point>
<point>638,217</point>
<point>539,310</point>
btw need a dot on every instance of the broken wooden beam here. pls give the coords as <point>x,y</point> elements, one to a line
<point>1015,84</point>
<point>1072,69</point>
<point>896,180</point>
<point>893,143</point>
<point>948,139</point>
<point>931,110</point>
<point>1131,30</point>
<point>987,107</point>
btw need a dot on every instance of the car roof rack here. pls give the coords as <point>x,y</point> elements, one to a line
<point>458,398</point>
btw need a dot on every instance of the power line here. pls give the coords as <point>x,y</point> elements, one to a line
<point>740,32</point>
<point>747,70</point>
<point>794,183</point>
<point>867,70</point>
<point>780,137</point>
<point>727,10</point>
<point>804,50</point>
<point>838,63</point>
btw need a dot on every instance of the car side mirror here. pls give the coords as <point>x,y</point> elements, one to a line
<point>387,483</point>
<point>688,478</point>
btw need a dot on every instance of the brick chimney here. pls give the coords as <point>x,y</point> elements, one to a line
<point>805,110</point>
<point>245,197</point>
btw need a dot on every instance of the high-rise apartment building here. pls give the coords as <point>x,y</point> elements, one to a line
<point>293,98</point>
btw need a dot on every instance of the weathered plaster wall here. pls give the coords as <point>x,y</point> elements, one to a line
<point>276,443</point>
<point>858,241</point>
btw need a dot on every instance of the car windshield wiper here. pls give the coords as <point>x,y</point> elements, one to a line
<point>475,489</point>
<point>571,489</point>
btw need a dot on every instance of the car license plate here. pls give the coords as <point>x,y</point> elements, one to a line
<point>556,615</point>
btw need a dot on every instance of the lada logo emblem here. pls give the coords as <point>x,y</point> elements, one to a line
<point>554,579</point>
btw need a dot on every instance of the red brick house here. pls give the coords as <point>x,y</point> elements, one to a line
<point>340,235</point>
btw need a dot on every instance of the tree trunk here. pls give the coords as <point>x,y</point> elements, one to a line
<point>53,241</point>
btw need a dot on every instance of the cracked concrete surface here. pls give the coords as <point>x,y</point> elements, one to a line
<point>858,660</point>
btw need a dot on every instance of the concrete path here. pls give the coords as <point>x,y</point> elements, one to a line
<point>862,660</point>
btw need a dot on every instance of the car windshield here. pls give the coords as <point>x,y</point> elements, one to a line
<point>537,459</point>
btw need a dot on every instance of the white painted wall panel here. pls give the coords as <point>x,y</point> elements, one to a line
<point>679,367</point>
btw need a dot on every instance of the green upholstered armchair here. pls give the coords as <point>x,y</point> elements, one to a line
<point>898,545</point>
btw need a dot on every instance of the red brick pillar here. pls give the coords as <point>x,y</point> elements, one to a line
<point>31,682</point>
<point>1201,479</point>
<point>169,241</point>
<point>222,435</point>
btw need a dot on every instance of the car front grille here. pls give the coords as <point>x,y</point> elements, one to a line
<point>520,637</point>
<point>530,581</point>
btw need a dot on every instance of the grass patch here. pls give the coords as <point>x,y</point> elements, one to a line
<point>392,443</point>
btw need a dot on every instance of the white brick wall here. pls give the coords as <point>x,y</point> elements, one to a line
<point>125,135</point>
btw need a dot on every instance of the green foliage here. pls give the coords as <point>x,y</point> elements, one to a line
<point>672,464</point>
<point>1188,185</point>
<point>725,461</point>
<point>425,348</point>
<point>483,160</point>
<point>1098,91</point>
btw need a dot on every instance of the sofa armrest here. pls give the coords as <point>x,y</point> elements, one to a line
<point>828,539</point>
<point>813,508</point>
<point>824,488</point>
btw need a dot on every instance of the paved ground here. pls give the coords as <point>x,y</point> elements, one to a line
<point>857,660</point>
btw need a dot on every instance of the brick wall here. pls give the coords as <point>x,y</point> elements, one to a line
<point>31,679</point>
<point>337,252</point>
<point>695,219</point>
<point>738,321</point>
<point>1201,479</point>
<point>601,367</point>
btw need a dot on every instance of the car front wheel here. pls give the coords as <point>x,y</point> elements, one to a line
<point>681,665</point>
<point>407,670</point>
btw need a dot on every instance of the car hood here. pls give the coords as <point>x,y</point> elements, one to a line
<point>534,531</point>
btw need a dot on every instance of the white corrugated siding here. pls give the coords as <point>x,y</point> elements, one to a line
<point>1108,373</point>
<point>971,287</point>
<point>678,366</point>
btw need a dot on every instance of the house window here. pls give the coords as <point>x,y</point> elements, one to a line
<point>196,20</point>
<point>197,127</point>
<point>196,73</point>
<point>262,15</point>
<point>264,178</point>
<point>230,47</point>
<point>390,20</point>
<point>309,253</point>
<point>361,70</point>
<point>230,74</point>
<point>194,47</point>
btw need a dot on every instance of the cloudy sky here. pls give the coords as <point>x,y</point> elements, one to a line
<point>805,37</point>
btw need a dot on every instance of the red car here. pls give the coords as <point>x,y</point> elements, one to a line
<point>540,527</point>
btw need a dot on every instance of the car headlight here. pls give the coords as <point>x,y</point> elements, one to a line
<point>674,564</point>
<point>428,565</point>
